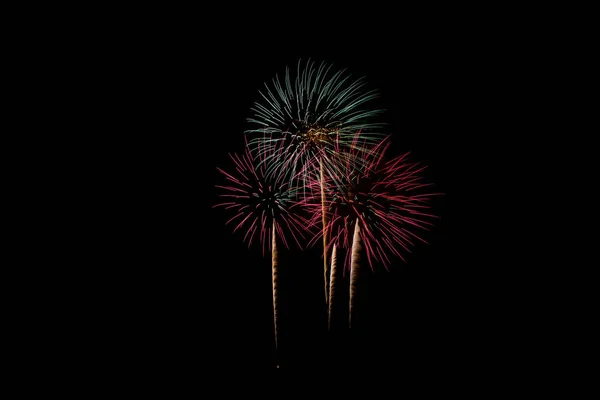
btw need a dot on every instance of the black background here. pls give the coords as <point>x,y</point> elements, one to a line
<point>178,295</point>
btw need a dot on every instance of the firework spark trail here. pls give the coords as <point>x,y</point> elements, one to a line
<point>324,217</point>
<point>354,271</point>
<point>275,276</point>
<point>332,285</point>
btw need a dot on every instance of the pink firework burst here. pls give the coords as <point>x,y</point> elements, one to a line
<point>261,202</point>
<point>384,196</point>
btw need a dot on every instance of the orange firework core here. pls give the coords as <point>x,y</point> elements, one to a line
<point>317,136</point>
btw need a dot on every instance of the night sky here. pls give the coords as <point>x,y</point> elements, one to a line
<point>186,294</point>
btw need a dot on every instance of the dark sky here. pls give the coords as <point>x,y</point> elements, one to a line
<point>190,295</point>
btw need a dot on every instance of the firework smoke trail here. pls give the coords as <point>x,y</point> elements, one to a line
<point>332,285</point>
<point>354,270</point>
<point>305,116</point>
<point>262,207</point>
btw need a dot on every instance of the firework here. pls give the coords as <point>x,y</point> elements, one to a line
<point>304,116</point>
<point>260,203</point>
<point>310,112</point>
<point>261,207</point>
<point>374,207</point>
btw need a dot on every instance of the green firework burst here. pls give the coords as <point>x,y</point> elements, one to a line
<point>308,113</point>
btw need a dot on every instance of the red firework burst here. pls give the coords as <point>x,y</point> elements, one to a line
<point>261,201</point>
<point>384,197</point>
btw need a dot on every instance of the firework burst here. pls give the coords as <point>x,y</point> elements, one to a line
<point>384,196</point>
<point>374,207</point>
<point>309,113</point>
<point>260,203</point>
